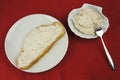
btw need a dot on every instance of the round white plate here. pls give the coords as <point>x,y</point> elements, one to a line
<point>74,12</point>
<point>17,33</point>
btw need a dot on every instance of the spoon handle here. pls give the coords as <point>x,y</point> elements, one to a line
<point>108,55</point>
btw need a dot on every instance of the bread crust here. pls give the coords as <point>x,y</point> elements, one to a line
<point>47,49</point>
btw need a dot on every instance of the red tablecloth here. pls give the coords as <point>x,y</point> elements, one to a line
<point>85,59</point>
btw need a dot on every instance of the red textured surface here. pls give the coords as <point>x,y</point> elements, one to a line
<point>85,59</point>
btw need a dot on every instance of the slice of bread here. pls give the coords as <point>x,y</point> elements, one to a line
<point>38,42</point>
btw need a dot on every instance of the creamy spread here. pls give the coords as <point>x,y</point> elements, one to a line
<point>87,20</point>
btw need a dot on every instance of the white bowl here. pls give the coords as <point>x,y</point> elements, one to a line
<point>74,12</point>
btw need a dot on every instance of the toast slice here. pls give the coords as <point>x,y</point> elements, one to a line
<point>38,42</point>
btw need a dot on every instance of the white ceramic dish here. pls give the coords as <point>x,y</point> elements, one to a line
<point>17,33</point>
<point>74,12</point>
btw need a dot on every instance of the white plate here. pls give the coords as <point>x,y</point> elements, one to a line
<point>74,12</point>
<point>17,33</point>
